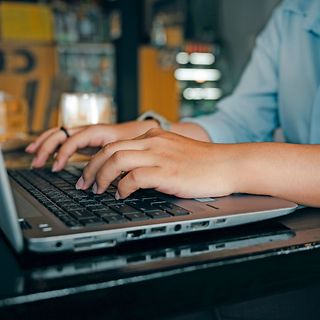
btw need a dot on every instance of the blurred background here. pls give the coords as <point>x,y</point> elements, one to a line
<point>176,57</point>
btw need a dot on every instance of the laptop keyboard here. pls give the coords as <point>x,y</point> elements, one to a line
<point>77,208</point>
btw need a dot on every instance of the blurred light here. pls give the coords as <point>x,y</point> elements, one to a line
<point>202,58</point>
<point>202,93</point>
<point>199,75</point>
<point>94,112</point>
<point>182,58</point>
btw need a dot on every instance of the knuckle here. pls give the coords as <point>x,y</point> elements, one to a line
<point>154,132</point>
<point>107,149</point>
<point>118,157</point>
<point>135,177</point>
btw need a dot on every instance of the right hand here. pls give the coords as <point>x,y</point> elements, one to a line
<point>92,136</point>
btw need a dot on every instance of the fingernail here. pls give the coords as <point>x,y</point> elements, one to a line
<point>95,188</point>
<point>55,166</point>
<point>117,195</point>
<point>29,147</point>
<point>80,183</point>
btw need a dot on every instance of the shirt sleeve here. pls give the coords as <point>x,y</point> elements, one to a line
<point>250,114</point>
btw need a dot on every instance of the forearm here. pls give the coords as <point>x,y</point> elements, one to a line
<point>283,170</point>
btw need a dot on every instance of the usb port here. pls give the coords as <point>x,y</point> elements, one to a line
<point>199,225</point>
<point>158,230</point>
<point>135,234</point>
<point>222,220</point>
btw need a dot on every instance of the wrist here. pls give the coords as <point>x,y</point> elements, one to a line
<point>248,168</point>
<point>231,163</point>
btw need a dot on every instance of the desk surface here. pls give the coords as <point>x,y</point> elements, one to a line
<point>159,278</point>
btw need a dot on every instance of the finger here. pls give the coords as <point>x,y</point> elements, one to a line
<point>121,161</point>
<point>144,178</point>
<point>90,171</point>
<point>47,143</point>
<point>32,147</point>
<point>48,147</point>
<point>87,137</point>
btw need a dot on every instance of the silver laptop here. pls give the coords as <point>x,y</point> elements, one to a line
<point>42,212</point>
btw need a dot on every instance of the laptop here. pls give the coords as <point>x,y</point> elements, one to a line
<point>42,212</point>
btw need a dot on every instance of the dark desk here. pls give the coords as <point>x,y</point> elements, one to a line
<point>268,269</point>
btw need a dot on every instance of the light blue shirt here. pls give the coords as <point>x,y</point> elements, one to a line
<point>280,86</point>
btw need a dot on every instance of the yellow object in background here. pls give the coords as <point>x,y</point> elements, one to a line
<point>13,118</point>
<point>158,89</point>
<point>28,71</point>
<point>26,22</point>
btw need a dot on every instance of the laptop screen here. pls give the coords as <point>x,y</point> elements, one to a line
<point>8,216</point>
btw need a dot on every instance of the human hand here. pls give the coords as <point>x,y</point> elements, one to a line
<point>92,136</point>
<point>165,161</point>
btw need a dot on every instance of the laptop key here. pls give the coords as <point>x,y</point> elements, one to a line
<point>173,209</point>
<point>82,214</point>
<point>159,214</point>
<point>107,198</point>
<point>94,207</point>
<point>56,211</point>
<point>77,194</point>
<point>74,207</point>
<point>71,223</point>
<point>65,203</point>
<point>137,216</point>
<point>100,208</point>
<point>123,208</point>
<point>115,219</point>
<point>104,212</point>
<point>142,206</point>
<point>91,221</point>
<point>99,197</point>
<point>87,201</point>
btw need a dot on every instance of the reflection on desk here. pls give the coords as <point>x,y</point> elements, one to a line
<point>190,247</point>
<point>45,277</point>
<point>165,276</point>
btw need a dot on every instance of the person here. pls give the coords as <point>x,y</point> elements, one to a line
<point>231,150</point>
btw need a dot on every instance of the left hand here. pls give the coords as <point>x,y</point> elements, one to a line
<point>165,161</point>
